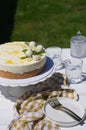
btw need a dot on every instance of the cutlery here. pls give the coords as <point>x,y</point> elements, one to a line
<point>54,103</point>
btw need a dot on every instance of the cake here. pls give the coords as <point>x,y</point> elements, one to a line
<point>20,60</point>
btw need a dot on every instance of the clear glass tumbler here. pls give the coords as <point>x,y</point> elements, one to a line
<point>55,54</point>
<point>73,70</point>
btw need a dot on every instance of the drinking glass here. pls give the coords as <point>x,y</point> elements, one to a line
<point>73,70</point>
<point>55,54</point>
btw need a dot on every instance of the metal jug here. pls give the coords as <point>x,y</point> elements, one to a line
<point>78,46</point>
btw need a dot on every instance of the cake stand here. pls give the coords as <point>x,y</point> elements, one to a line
<point>17,87</point>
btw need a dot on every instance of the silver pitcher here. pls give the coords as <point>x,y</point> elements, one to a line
<point>78,46</point>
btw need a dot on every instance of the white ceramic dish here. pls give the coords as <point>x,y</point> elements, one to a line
<point>61,118</point>
<point>48,71</point>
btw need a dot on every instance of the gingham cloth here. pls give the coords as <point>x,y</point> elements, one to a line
<point>28,109</point>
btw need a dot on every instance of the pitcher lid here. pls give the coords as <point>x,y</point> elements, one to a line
<point>78,38</point>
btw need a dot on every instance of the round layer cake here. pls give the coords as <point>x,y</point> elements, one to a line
<point>20,60</point>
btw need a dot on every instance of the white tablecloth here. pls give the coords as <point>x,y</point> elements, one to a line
<point>7,101</point>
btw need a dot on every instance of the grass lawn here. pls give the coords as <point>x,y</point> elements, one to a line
<point>49,22</point>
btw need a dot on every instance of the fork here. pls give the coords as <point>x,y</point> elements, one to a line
<point>54,103</point>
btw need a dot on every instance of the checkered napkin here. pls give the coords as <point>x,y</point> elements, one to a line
<point>29,113</point>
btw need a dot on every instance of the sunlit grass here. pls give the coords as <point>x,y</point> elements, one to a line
<point>49,22</point>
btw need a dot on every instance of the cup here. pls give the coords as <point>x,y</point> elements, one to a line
<point>73,70</point>
<point>55,54</point>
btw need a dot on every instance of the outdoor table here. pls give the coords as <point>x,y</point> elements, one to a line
<point>7,101</point>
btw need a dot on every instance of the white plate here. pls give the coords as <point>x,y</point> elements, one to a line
<point>48,71</point>
<point>61,118</point>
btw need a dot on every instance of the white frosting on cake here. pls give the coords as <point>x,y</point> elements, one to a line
<point>14,59</point>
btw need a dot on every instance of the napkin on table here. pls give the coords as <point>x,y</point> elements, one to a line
<point>28,109</point>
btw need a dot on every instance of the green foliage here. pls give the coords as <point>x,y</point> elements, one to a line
<point>24,50</point>
<point>49,22</point>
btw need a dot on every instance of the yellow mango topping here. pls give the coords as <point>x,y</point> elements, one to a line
<point>10,62</point>
<point>14,52</point>
<point>28,59</point>
<point>25,60</point>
